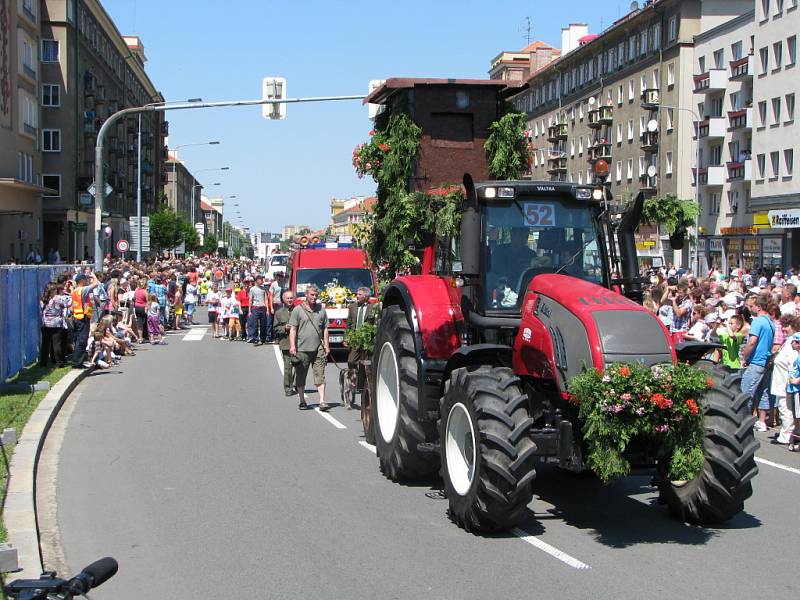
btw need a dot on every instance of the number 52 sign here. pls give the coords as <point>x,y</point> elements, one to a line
<point>539,215</point>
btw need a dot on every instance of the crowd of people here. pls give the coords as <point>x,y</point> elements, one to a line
<point>755,318</point>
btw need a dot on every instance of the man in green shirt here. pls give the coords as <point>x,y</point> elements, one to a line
<point>308,343</point>
<point>280,329</point>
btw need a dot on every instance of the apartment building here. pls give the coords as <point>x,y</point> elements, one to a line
<point>212,216</point>
<point>723,103</point>
<point>346,221</point>
<point>181,190</point>
<point>625,97</point>
<point>20,159</point>
<point>90,71</point>
<point>517,66</point>
<point>775,195</point>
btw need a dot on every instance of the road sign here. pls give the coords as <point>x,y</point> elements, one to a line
<point>123,246</point>
<point>273,88</point>
<point>92,189</point>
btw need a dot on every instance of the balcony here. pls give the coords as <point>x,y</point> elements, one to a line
<point>713,80</point>
<point>711,128</point>
<point>557,166</point>
<point>557,133</point>
<point>600,150</point>
<point>651,98</point>
<point>740,119</point>
<point>601,116</point>
<point>712,176</point>
<point>649,141</point>
<point>742,69</point>
<point>740,170</point>
<point>647,184</point>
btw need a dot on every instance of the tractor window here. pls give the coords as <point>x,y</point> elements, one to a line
<point>526,238</point>
<point>447,254</point>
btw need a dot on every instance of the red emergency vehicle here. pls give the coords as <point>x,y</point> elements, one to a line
<point>329,263</point>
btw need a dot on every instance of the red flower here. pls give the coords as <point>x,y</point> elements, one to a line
<point>384,147</point>
<point>371,132</point>
<point>709,382</point>
<point>692,406</point>
<point>625,371</point>
<point>661,401</point>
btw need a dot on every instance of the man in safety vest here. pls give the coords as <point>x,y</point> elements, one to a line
<point>82,316</point>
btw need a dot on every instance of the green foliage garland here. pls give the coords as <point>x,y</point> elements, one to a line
<point>362,338</point>
<point>506,147</point>
<point>661,404</point>
<point>671,212</point>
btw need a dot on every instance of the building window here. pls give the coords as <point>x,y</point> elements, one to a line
<point>52,182</point>
<point>620,95</point>
<point>619,133</point>
<point>25,167</point>
<point>629,171</point>
<point>656,36</point>
<point>29,114</point>
<point>778,7</point>
<point>631,90</point>
<point>736,50</point>
<point>762,113</point>
<point>630,130</point>
<point>763,54</point>
<point>51,94</point>
<point>775,163</point>
<point>50,51</point>
<point>642,167</point>
<point>619,171</point>
<point>28,58</point>
<point>671,74</point>
<point>788,161</point>
<point>761,164</point>
<point>572,148</point>
<point>672,33</point>
<point>764,10</point>
<point>643,83</point>
<point>719,58</point>
<point>777,55</point>
<point>713,204</point>
<point>670,118</point>
<point>701,64</point>
<point>29,8</point>
<point>789,108</point>
<point>51,140</point>
<point>791,51</point>
<point>669,163</point>
<point>776,111</point>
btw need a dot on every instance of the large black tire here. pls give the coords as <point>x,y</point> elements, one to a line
<point>396,411</point>
<point>719,492</point>
<point>486,448</point>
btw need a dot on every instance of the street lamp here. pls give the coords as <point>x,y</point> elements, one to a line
<point>696,261</point>
<point>175,163</point>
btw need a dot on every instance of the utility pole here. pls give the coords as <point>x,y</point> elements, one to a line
<point>139,191</point>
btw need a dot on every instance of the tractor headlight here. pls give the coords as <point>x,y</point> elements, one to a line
<point>490,192</point>
<point>597,194</point>
<point>583,193</point>
<point>505,192</point>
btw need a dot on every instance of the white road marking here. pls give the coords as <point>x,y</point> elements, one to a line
<point>330,419</point>
<point>369,447</point>
<point>195,335</point>
<point>278,357</point>
<point>778,465</point>
<point>552,551</point>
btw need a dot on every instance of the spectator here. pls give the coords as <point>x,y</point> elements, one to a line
<point>243,296</point>
<point>281,335</point>
<point>793,394</point>
<point>784,359</point>
<point>214,301</point>
<point>81,316</point>
<point>259,310</point>
<point>55,306</point>
<point>754,361</point>
<point>140,308</point>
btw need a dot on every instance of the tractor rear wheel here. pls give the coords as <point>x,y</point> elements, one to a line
<point>487,453</point>
<point>719,491</point>
<point>396,410</point>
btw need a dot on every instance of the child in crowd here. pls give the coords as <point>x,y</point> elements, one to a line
<point>731,336</point>
<point>154,329</point>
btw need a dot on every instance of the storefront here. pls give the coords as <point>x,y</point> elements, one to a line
<point>750,248</point>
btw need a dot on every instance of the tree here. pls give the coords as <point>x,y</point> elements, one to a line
<point>166,231</point>
<point>506,149</point>
<point>210,244</point>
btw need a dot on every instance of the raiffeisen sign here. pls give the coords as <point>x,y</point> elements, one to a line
<point>783,219</point>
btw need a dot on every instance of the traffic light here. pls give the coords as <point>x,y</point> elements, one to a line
<point>273,88</point>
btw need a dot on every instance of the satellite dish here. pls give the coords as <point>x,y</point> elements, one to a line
<point>592,101</point>
<point>652,125</point>
<point>651,171</point>
<point>634,6</point>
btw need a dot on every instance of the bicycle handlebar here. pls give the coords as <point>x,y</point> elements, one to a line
<point>95,575</point>
<point>90,577</point>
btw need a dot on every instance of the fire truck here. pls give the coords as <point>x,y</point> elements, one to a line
<point>333,263</point>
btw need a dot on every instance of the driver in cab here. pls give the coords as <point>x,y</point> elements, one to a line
<point>510,261</point>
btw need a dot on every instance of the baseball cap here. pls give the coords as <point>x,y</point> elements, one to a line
<point>228,289</point>
<point>712,317</point>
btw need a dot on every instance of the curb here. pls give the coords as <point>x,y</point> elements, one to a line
<point>19,512</point>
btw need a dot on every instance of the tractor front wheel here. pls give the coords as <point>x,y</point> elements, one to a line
<point>719,491</point>
<point>486,448</point>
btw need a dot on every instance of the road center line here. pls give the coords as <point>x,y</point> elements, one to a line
<point>369,447</point>
<point>330,419</point>
<point>778,465</point>
<point>552,551</point>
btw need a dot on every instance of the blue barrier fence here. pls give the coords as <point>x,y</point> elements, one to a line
<point>20,317</point>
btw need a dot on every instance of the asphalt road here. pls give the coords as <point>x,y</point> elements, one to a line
<point>190,467</point>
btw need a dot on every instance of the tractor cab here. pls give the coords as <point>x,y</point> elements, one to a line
<point>514,231</point>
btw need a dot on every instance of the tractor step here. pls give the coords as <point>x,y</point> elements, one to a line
<point>428,448</point>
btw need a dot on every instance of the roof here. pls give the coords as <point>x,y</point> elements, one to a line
<point>535,46</point>
<point>205,206</point>
<point>395,84</point>
<point>362,207</point>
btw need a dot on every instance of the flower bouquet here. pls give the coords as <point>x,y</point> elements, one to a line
<point>662,404</point>
<point>336,295</point>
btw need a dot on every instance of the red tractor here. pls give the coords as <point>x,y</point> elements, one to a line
<point>472,358</point>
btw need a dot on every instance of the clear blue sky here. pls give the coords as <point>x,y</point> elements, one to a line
<point>287,171</point>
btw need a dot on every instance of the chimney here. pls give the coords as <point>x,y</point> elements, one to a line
<point>570,36</point>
